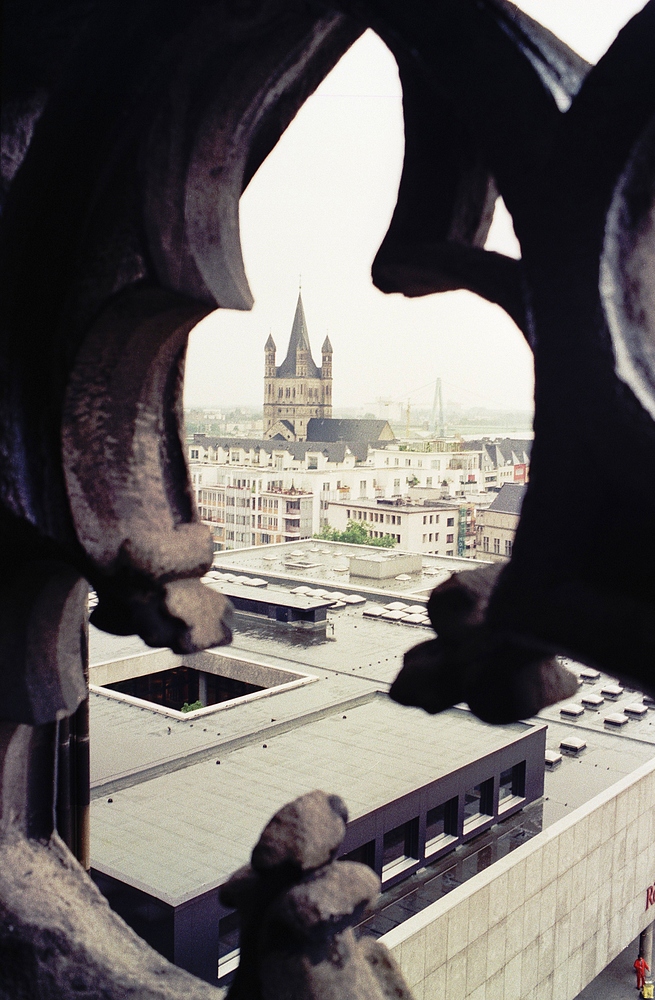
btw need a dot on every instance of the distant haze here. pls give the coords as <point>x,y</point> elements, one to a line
<point>319,207</point>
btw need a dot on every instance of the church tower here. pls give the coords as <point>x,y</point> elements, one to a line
<point>269,382</point>
<point>298,389</point>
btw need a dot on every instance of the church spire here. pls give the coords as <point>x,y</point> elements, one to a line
<point>298,341</point>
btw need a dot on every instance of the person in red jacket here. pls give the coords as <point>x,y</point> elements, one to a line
<point>641,968</point>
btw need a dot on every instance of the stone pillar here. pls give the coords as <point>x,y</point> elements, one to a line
<point>646,948</point>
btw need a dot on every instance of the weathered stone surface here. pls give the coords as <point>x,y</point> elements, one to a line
<point>304,835</point>
<point>296,911</point>
<point>43,609</point>
<point>337,971</point>
<point>501,677</point>
<point>59,939</point>
<point>327,899</point>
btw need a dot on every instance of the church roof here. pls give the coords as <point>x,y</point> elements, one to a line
<point>270,344</point>
<point>334,451</point>
<point>333,429</point>
<point>298,341</point>
<point>327,346</point>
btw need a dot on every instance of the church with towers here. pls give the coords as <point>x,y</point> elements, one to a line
<point>296,391</point>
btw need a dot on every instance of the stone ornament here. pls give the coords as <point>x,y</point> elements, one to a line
<point>297,906</point>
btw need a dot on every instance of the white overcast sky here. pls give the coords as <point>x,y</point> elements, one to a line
<point>319,207</point>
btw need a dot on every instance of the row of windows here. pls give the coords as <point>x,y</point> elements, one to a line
<point>290,392</point>
<point>485,546</point>
<point>292,411</point>
<point>383,534</point>
<point>401,847</point>
<point>419,464</point>
<point>374,515</point>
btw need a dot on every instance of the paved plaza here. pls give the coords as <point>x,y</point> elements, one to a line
<point>617,981</point>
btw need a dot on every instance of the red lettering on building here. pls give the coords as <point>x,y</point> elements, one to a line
<point>650,896</point>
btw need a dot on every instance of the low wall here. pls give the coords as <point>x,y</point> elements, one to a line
<point>222,663</point>
<point>541,923</point>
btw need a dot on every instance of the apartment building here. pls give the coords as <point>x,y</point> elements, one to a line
<point>430,528</point>
<point>246,513</point>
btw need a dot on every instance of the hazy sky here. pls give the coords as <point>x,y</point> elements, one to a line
<point>319,207</point>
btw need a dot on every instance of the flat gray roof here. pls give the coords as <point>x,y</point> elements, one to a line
<point>390,506</point>
<point>191,828</point>
<point>329,564</point>
<point>179,822</point>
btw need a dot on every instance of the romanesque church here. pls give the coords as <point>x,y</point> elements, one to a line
<point>298,390</point>
<point>298,394</point>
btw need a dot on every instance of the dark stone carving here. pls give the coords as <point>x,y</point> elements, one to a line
<point>501,678</point>
<point>43,627</point>
<point>297,906</point>
<point>59,939</point>
<point>569,148</point>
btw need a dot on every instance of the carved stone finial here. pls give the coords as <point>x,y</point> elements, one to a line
<point>502,678</point>
<point>297,907</point>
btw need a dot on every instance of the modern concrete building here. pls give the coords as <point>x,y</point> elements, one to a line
<point>496,525</point>
<point>510,893</point>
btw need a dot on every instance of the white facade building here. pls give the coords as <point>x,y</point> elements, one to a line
<point>249,512</point>
<point>430,528</point>
<point>341,471</point>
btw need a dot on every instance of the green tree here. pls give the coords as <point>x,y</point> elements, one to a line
<point>356,534</point>
<point>186,707</point>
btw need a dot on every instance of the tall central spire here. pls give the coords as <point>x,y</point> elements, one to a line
<point>298,341</point>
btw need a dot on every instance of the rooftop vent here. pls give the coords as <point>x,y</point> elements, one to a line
<point>612,691</point>
<point>572,746</point>
<point>590,675</point>
<point>592,700</point>
<point>636,710</point>
<point>616,719</point>
<point>572,711</point>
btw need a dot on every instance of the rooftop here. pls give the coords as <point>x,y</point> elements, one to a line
<point>334,429</point>
<point>316,561</point>
<point>153,767</point>
<point>334,451</point>
<point>341,752</point>
<point>402,503</point>
<point>509,499</point>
